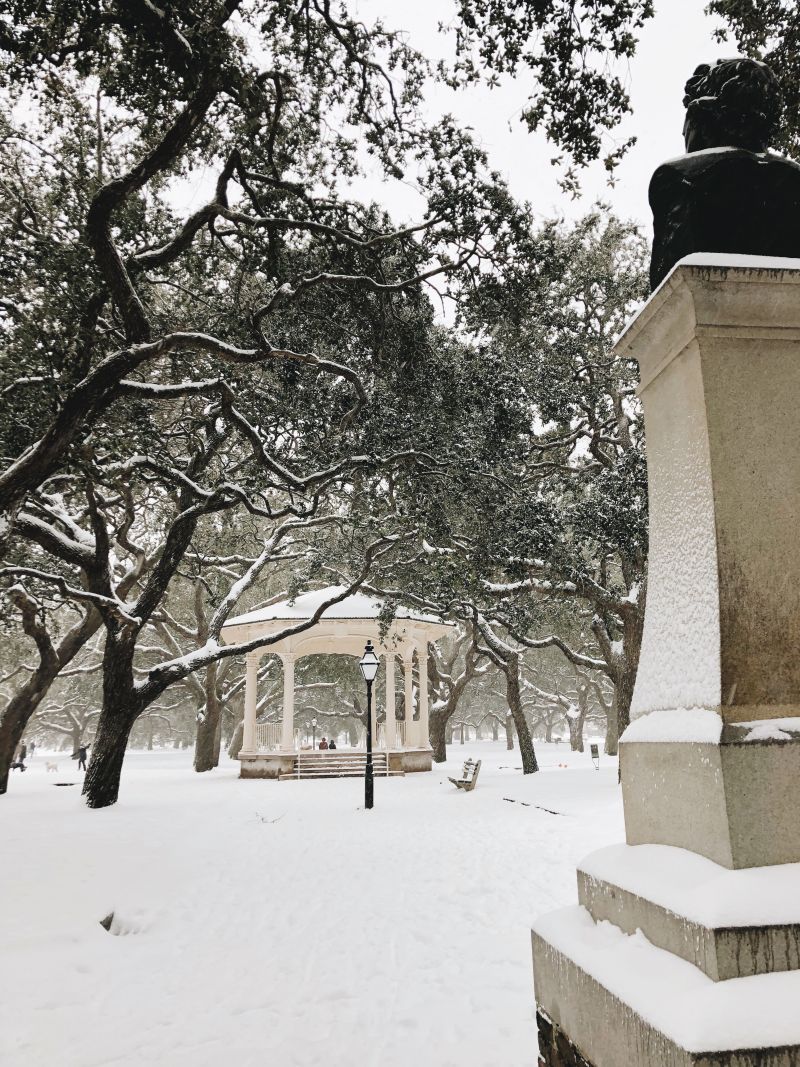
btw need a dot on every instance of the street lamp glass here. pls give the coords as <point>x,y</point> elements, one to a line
<point>369,663</point>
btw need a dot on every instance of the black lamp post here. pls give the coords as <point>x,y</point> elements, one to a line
<point>313,734</point>
<point>369,664</point>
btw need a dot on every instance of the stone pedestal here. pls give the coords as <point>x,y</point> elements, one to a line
<point>711,762</point>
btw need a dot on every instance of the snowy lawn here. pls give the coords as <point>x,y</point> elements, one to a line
<point>278,923</point>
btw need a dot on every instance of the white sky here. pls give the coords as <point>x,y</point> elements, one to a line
<point>673,43</point>
<point>678,38</point>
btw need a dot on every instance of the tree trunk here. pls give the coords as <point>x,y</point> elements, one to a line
<point>509,733</point>
<point>18,713</point>
<point>548,731</point>
<point>526,749</point>
<point>624,693</point>
<point>120,710</point>
<point>495,730</point>
<point>101,785</point>
<point>611,746</point>
<point>27,699</point>
<point>12,727</point>
<point>235,746</point>
<point>206,749</point>
<point>438,731</point>
<point>205,742</point>
<point>439,724</point>
<point>575,726</point>
<point>462,733</point>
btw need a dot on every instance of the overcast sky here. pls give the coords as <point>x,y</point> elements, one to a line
<point>672,44</point>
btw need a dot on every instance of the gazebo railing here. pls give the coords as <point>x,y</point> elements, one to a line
<point>399,736</point>
<point>268,736</point>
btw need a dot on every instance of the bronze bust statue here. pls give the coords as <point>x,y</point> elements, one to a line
<point>728,193</point>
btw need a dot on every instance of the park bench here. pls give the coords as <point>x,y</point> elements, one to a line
<point>469,776</point>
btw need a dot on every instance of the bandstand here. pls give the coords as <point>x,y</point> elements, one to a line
<point>272,750</point>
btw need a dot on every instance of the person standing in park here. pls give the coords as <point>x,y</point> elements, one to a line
<point>80,755</point>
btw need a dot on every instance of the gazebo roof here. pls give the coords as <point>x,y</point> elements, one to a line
<point>355,606</point>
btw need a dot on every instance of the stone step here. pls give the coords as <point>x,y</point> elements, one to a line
<point>334,771</point>
<point>610,1000</point>
<point>337,764</point>
<point>338,774</point>
<point>728,923</point>
<point>312,764</point>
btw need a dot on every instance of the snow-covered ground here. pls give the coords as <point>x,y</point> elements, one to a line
<point>279,923</point>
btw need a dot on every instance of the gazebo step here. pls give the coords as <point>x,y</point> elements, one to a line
<point>338,768</point>
<point>336,764</point>
<point>342,773</point>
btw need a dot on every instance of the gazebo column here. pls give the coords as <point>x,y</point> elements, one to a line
<point>422,667</point>
<point>250,701</point>
<point>408,669</point>
<point>390,728</point>
<point>287,732</point>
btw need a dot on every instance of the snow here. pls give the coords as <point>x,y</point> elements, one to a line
<point>278,922</point>
<point>771,729</point>
<point>633,595</point>
<point>355,606</point>
<point>717,261</point>
<point>700,725</point>
<point>676,998</point>
<point>727,260</point>
<point>699,889</point>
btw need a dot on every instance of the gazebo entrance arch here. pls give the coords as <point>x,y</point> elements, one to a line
<point>343,629</point>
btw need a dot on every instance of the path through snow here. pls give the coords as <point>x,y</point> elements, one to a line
<point>278,923</point>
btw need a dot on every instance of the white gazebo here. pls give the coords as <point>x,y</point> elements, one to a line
<point>271,750</point>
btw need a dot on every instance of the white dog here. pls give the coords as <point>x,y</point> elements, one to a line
<point>50,766</point>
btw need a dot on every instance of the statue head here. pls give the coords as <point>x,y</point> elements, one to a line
<point>734,103</point>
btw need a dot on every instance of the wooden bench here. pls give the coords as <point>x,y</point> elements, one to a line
<point>469,776</point>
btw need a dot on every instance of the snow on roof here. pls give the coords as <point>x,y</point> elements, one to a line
<point>355,606</point>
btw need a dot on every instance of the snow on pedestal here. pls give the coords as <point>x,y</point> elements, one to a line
<point>672,1006</point>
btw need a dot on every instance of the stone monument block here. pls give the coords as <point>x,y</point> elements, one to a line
<point>685,947</point>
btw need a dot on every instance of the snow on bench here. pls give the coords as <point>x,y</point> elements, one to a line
<point>469,776</point>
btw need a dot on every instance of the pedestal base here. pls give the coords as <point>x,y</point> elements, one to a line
<point>703,973</point>
<point>632,979</point>
<point>555,1048</point>
<point>734,801</point>
<point>728,924</point>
